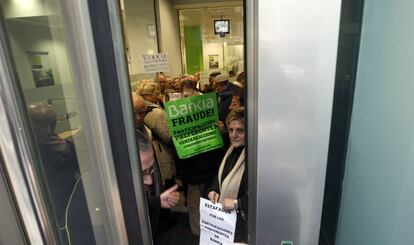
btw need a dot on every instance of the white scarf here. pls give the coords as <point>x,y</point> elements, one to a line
<point>231,183</point>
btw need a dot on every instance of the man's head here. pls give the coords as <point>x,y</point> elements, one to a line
<point>151,92</point>
<point>43,119</point>
<point>187,84</point>
<point>146,155</point>
<point>184,77</point>
<point>176,83</point>
<point>220,82</point>
<point>139,109</point>
<point>197,76</point>
<point>161,80</point>
<point>237,99</point>
<point>168,83</point>
<point>212,76</point>
<point>241,77</point>
<point>193,78</point>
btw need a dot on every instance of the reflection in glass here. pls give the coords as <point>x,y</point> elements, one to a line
<point>61,170</point>
<point>36,38</point>
<point>140,35</point>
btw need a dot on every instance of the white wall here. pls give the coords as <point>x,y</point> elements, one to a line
<point>234,56</point>
<point>169,36</point>
<point>231,54</point>
<point>212,49</point>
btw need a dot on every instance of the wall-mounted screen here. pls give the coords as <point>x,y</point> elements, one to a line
<point>221,26</point>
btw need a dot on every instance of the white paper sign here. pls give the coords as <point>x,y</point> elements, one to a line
<point>155,63</point>
<point>216,225</point>
<point>175,96</point>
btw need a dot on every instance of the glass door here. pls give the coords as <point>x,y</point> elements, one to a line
<point>67,180</point>
<point>377,195</point>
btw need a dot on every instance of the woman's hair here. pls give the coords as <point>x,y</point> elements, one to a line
<point>236,114</point>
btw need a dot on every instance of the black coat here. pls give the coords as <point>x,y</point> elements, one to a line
<point>60,166</point>
<point>241,223</point>
<point>201,168</point>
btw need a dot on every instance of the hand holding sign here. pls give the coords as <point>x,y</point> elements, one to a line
<point>217,225</point>
<point>213,196</point>
<point>220,125</point>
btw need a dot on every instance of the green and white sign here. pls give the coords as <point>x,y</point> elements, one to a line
<point>192,124</point>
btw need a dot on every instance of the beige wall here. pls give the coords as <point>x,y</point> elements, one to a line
<point>169,37</point>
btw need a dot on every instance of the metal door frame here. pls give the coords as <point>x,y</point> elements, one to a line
<point>270,56</point>
<point>17,143</point>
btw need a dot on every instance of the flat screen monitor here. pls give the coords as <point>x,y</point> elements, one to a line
<point>221,27</point>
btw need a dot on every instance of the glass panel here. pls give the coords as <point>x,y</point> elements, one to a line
<point>140,35</point>
<point>377,195</point>
<point>74,197</point>
<point>204,52</point>
<point>11,232</point>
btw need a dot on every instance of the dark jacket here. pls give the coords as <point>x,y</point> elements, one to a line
<point>201,168</point>
<point>154,204</point>
<point>60,165</point>
<point>225,100</point>
<point>241,223</point>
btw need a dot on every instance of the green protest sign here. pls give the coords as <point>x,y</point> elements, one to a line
<point>192,124</point>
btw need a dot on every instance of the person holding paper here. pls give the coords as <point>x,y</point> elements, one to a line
<point>230,186</point>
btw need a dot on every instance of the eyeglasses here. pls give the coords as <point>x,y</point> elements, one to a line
<point>148,172</point>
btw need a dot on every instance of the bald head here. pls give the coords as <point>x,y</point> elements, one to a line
<point>139,109</point>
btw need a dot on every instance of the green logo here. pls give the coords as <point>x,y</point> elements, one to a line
<point>286,243</point>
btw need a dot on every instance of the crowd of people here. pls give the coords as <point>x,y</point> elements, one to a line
<point>219,175</point>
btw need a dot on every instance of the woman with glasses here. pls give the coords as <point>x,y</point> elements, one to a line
<point>230,186</point>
